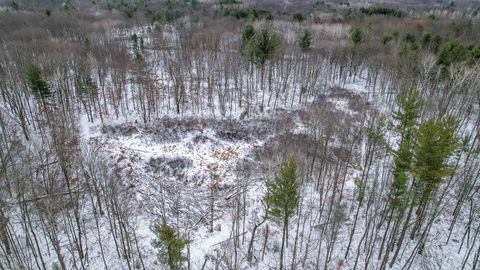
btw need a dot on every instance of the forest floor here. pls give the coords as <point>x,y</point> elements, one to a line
<point>183,168</point>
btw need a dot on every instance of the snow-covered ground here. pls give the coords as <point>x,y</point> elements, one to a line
<point>179,168</point>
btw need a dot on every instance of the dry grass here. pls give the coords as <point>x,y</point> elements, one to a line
<point>225,154</point>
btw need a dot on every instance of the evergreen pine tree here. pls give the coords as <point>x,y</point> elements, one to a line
<point>263,45</point>
<point>357,36</point>
<point>305,41</point>
<point>247,33</point>
<point>37,84</point>
<point>171,245</point>
<point>452,52</point>
<point>282,197</point>
<point>14,5</point>
<point>436,142</point>
<point>409,108</point>
<point>137,49</point>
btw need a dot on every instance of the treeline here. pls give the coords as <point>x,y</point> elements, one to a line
<point>379,10</point>
<point>253,13</point>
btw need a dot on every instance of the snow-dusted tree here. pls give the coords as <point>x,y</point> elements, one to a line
<point>282,198</point>
<point>375,139</point>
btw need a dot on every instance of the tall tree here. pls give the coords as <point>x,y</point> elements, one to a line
<point>436,142</point>
<point>409,109</point>
<point>262,46</point>
<point>282,198</point>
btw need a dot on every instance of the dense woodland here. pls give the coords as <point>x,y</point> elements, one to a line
<point>330,135</point>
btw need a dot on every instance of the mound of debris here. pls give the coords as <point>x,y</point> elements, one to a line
<point>172,167</point>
